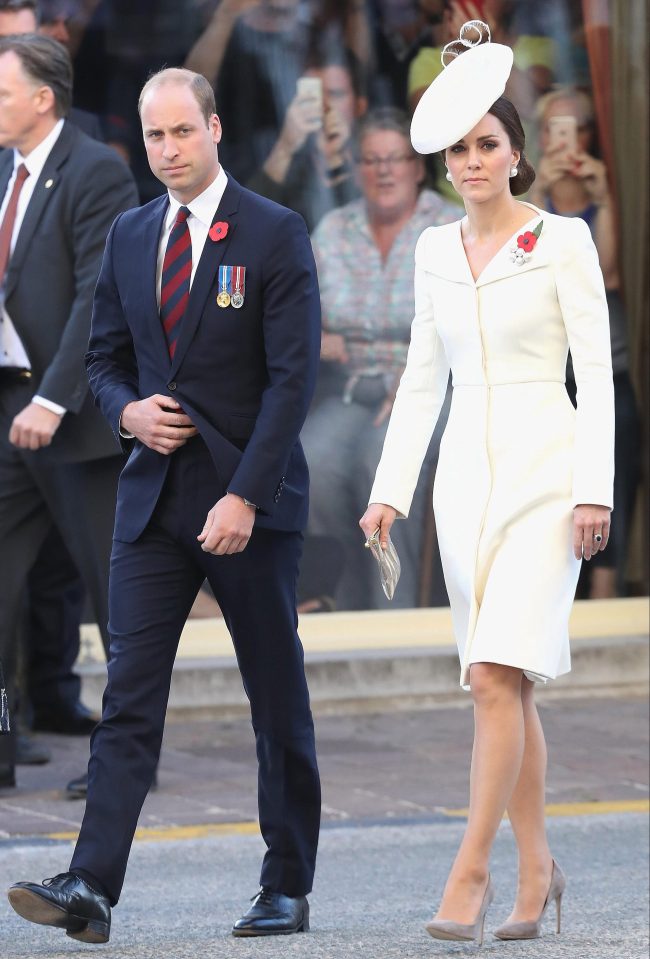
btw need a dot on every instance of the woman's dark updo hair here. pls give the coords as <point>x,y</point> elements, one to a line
<point>507,115</point>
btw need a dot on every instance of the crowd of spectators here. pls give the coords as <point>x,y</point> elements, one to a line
<point>315,98</point>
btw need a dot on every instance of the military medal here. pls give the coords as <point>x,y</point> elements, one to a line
<point>225,276</point>
<point>237,298</point>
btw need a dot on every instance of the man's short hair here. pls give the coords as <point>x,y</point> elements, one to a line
<point>15,6</point>
<point>180,76</point>
<point>47,63</point>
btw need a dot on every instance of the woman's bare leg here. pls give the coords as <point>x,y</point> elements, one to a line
<point>526,813</point>
<point>496,765</point>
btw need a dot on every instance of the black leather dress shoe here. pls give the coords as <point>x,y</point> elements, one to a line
<point>67,902</point>
<point>78,788</point>
<point>73,719</point>
<point>273,914</point>
<point>30,751</point>
<point>7,776</point>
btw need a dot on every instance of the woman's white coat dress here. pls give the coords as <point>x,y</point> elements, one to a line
<point>515,457</point>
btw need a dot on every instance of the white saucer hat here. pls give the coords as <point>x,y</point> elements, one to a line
<point>474,76</point>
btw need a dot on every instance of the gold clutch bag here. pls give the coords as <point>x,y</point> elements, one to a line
<point>388,560</point>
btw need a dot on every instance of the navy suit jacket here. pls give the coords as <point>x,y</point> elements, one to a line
<point>244,376</point>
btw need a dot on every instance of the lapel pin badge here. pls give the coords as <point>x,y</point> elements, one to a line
<point>48,184</point>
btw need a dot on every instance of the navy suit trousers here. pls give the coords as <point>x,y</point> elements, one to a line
<point>153,584</point>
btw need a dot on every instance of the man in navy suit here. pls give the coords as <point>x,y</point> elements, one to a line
<point>203,356</point>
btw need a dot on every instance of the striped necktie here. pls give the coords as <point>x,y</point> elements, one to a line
<point>9,220</point>
<point>175,281</point>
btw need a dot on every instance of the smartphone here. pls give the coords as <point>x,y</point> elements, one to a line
<point>312,88</point>
<point>563,134</point>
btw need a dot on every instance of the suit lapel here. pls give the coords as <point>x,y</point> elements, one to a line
<point>149,245</point>
<point>5,171</point>
<point>45,189</point>
<point>207,269</point>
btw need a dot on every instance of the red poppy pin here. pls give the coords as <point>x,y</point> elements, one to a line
<point>526,243</point>
<point>218,231</point>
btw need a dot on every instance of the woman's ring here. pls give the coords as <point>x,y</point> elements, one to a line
<point>598,537</point>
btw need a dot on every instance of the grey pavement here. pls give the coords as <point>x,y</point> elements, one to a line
<point>393,765</point>
<point>375,888</point>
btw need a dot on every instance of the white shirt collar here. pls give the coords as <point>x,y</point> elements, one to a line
<point>203,206</point>
<point>37,158</point>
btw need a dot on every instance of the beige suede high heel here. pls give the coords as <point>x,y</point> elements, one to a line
<point>463,932</point>
<point>532,929</point>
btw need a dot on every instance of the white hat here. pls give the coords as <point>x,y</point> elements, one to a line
<point>465,90</point>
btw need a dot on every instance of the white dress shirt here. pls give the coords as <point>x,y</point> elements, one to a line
<point>12,351</point>
<point>202,209</point>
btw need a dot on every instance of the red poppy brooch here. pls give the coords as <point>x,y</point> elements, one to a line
<point>218,231</point>
<point>526,242</point>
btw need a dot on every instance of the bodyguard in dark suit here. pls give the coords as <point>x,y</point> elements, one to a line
<point>58,460</point>
<point>203,357</point>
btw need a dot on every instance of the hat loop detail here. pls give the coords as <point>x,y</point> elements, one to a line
<point>472,34</point>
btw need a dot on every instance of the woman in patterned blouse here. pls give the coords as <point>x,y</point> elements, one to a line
<point>364,253</point>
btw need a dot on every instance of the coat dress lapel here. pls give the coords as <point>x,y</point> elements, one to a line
<point>445,256</point>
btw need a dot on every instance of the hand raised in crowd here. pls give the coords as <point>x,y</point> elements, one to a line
<point>593,175</point>
<point>334,138</point>
<point>228,526</point>
<point>158,422</point>
<point>304,116</point>
<point>34,427</point>
<point>378,516</point>
<point>553,165</point>
<point>333,348</point>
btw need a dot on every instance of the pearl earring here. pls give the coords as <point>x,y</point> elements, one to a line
<point>513,171</point>
<point>448,176</point>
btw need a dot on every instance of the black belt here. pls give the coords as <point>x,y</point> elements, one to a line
<point>14,374</point>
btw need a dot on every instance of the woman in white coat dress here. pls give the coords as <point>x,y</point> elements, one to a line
<point>523,488</point>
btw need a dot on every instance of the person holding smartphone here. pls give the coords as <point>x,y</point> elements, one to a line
<point>310,167</point>
<point>573,182</point>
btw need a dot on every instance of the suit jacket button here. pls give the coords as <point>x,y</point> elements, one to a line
<point>172,385</point>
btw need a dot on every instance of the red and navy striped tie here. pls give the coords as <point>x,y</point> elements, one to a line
<point>175,282</point>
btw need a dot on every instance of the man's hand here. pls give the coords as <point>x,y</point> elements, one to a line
<point>34,427</point>
<point>158,422</point>
<point>228,526</point>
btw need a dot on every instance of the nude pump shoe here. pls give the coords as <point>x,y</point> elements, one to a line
<point>533,928</point>
<point>463,932</point>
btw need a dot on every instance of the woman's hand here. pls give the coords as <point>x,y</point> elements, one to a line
<point>552,166</point>
<point>590,521</point>
<point>593,176</point>
<point>378,515</point>
<point>333,348</point>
